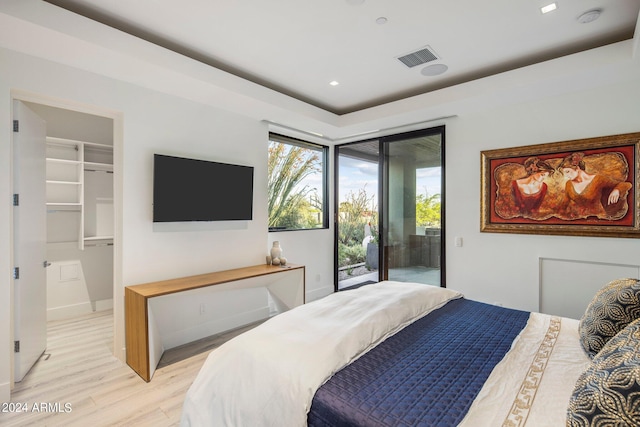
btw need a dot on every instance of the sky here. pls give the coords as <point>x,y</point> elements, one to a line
<point>357,174</point>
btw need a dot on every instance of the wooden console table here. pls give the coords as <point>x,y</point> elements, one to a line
<point>140,328</point>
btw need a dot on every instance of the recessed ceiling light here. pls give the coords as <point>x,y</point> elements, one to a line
<point>589,16</point>
<point>334,83</point>
<point>381,21</point>
<point>549,8</point>
<point>434,70</point>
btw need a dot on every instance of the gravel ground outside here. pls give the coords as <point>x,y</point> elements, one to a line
<point>355,272</point>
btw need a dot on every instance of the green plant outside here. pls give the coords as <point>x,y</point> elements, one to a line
<point>292,205</point>
<point>357,211</point>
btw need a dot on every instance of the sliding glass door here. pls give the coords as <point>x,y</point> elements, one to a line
<point>389,209</point>
<point>411,209</point>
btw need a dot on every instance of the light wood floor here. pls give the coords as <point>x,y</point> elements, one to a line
<point>79,369</point>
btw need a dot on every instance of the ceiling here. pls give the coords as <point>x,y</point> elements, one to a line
<point>423,151</point>
<point>297,47</point>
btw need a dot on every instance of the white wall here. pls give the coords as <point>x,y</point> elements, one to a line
<point>93,291</point>
<point>157,123</point>
<point>504,268</point>
<point>314,249</point>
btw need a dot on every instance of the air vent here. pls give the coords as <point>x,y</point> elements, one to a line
<point>418,57</point>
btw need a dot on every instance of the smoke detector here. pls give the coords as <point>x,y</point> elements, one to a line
<point>589,16</point>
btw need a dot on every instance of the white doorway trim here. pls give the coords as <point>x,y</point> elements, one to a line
<point>118,289</point>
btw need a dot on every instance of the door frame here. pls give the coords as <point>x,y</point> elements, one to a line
<point>118,289</point>
<point>383,142</point>
<point>384,192</point>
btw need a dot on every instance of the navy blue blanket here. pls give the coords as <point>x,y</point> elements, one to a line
<point>428,374</point>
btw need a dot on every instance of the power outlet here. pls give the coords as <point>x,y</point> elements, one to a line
<point>202,308</point>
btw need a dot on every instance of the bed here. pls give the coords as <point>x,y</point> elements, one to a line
<point>402,354</point>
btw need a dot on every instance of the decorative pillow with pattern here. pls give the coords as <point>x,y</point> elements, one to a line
<point>614,306</point>
<point>608,392</point>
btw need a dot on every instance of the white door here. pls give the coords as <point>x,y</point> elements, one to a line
<point>29,237</point>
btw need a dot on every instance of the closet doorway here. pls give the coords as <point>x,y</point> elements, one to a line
<point>74,161</point>
<point>390,210</point>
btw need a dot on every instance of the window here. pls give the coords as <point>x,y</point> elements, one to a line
<point>297,184</point>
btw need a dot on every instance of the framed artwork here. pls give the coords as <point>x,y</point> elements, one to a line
<point>586,187</point>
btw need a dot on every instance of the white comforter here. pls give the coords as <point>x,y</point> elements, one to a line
<point>269,375</point>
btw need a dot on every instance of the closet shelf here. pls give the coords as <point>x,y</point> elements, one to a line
<point>63,204</point>
<point>62,161</point>
<point>53,207</point>
<point>63,182</point>
<point>68,142</point>
<point>72,188</point>
<point>93,238</point>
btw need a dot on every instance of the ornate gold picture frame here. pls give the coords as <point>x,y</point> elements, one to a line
<point>586,187</point>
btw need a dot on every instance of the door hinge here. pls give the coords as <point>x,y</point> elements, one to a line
<point>16,200</point>
<point>16,126</point>
<point>16,346</point>
<point>16,272</point>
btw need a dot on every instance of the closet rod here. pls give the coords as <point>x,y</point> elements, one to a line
<point>86,245</point>
<point>71,144</point>
<point>97,170</point>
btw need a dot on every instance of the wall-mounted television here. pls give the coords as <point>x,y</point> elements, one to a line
<point>199,190</point>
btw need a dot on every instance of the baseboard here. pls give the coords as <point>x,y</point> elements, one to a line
<point>215,326</point>
<point>80,309</point>
<point>103,305</point>
<point>315,294</point>
<point>67,311</point>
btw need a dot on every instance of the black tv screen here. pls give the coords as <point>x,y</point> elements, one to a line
<point>199,190</point>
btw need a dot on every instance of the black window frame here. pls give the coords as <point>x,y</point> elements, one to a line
<point>324,151</point>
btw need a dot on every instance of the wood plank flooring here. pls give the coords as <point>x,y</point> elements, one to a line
<point>81,383</point>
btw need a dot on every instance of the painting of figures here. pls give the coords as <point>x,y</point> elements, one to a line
<point>582,187</point>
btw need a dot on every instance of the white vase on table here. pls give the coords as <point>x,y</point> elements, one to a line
<point>276,250</point>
